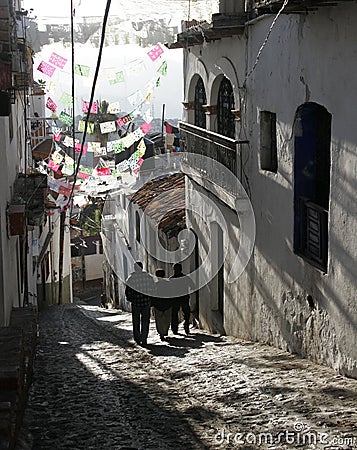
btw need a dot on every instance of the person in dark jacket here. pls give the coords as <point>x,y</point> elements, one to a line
<point>162,304</point>
<point>138,291</point>
<point>182,302</point>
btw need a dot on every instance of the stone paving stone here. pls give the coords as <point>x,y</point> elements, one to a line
<point>95,389</point>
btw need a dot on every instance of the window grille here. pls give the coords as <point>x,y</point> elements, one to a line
<point>225,105</point>
<point>200,100</point>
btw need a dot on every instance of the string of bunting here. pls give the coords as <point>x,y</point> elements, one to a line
<point>62,165</point>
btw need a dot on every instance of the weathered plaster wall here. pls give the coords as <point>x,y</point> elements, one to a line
<point>307,58</point>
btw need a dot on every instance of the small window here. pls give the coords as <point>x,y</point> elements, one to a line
<point>268,151</point>
<point>137,226</point>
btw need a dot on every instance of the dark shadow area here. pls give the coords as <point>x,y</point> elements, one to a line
<point>193,340</point>
<point>101,404</point>
<point>166,350</point>
<point>339,393</point>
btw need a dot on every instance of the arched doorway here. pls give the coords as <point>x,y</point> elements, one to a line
<point>312,160</point>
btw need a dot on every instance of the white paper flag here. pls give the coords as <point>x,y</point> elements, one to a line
<point>107,127</point>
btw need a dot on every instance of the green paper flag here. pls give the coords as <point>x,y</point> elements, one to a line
<point>65,118</point>
<point>119,78</point>
<point>163,69</point>
<point>66,99</point>
<point>90,127</point>
<point>81,70</point>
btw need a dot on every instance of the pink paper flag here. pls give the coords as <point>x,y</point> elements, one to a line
<point>93,110</point>
<point>57,60</point>
<point>155,52</point>
<point>57,136</point>
<point>102,171</point>
<point>51,105</point>
<point>77,148</point>
<point>146,127</point>
<point>45,68</point>
<point>53,166</point>
<point>83,175</point>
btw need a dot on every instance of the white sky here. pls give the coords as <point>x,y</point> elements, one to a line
<point>169,93</point>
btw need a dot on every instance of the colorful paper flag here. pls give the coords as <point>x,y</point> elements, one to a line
<point>66,99</point>
<point>81,126</point>
<point>57,157</point>
<point>135,67</point>
<point>163,69</point>
<point>118,78</point>
<point>88,170</point>
<point>53,166</point>
<point>82,175</point>
<point>103,171</point>
<point>78,148</point>
<point>107,127</point>
<point>68,166</point>
<point>155,52</point>
<point>81,70</point>
<point>46,69</point>
<point>138,134</point>
<point>93,110</point>
<point>101,151</point>
<point>147,116</point>
<point>115,146</point>
<point>65,118</point>
<point>124,120</point>
<point>141,146</point>
<point>51,87</point>
<point>114,108</point>
<point>92,146</point>
<point>51,105</point>
<point>136,98</point>
<point>57,60</point>
<point>122,166</point>
<point>146,127</point>
<point>68,141</point>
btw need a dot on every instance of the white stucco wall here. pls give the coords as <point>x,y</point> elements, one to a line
<point>11,293</point>
<point>307,58</point>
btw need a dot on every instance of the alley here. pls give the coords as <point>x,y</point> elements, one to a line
<point>94,389</point>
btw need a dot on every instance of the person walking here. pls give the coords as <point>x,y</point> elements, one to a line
<point>182,302</point>
<point>162,304</point>
<point>139,289</point>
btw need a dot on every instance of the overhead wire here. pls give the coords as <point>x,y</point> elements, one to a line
<point>265,42</point>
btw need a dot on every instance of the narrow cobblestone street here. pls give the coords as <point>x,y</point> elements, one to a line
<point>95,389</point>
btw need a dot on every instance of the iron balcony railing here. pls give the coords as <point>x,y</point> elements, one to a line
<point>215,148</point>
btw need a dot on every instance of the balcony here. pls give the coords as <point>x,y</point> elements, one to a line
<point>216,148</point>
<point>29,196</point>
<point>197,33</point>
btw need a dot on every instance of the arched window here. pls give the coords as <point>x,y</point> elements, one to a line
<point>200,100</point>
<point>225,104</point>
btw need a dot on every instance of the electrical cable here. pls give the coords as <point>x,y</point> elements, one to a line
<point>105,19</point>
<point>265,41</point>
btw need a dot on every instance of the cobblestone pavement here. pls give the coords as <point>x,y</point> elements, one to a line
<point>95,389</point>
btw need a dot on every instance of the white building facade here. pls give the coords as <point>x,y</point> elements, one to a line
<point>272,88</point>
